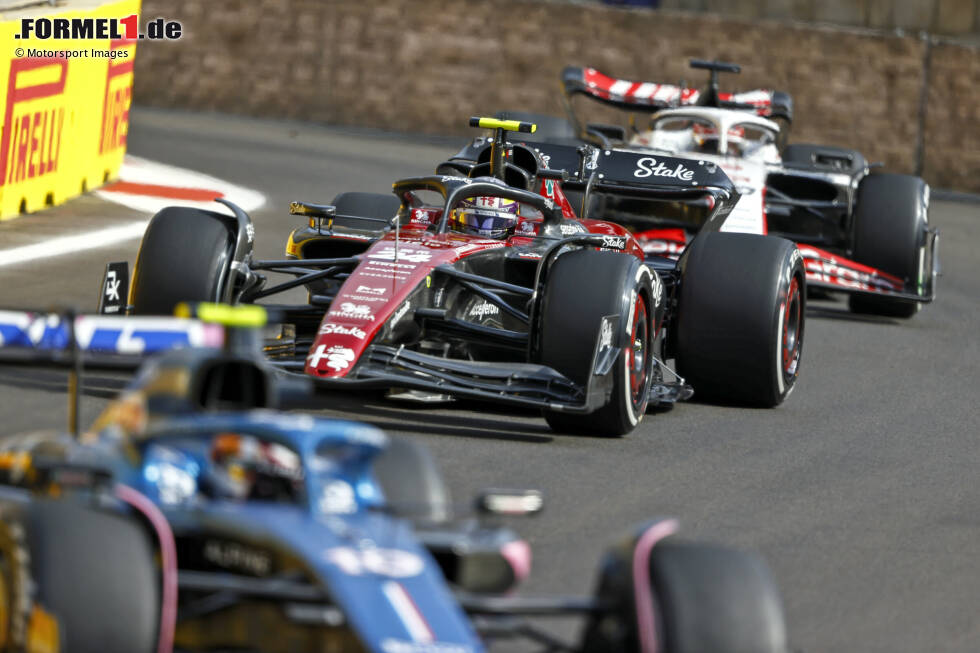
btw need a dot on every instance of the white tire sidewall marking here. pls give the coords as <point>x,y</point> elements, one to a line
<point>627,364</point>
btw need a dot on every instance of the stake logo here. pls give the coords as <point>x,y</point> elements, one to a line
<point>648,166</point>
<point>331,328</point>
<point>614,242</point>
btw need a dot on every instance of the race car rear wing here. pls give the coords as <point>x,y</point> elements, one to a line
<point>584,168</point>
<point>55,337</point>
<point>642,175</point>
<point>110,341</point>
<point>65,340</point>
<point>650,97</point>
<point>220,334</point>
<point>626,94</point>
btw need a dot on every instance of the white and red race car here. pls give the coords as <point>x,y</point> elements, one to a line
<point>860,231</point>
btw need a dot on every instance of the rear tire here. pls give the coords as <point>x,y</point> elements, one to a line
<point>713,598</point>
<point>411,482</point>
<point>741,318</point>
<point>583,287</point>
<point>185,256</point>
<point>95,572</point>
<point>889,234</point>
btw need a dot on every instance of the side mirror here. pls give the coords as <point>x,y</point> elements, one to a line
<point>513,503</point>
<point>312,210</point>
<point>317,213</point>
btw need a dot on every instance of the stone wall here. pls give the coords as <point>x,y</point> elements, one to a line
<point>952,121</point>
<point>947,17</point>
<point>426,65</point>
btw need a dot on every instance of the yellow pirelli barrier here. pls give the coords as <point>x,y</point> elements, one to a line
<point>65,108</point>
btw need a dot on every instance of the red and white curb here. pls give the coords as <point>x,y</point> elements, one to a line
<point>149,186</point>
<point>145,186</point>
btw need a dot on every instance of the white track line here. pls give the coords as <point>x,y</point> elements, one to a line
<point>136,170</point>
<point>73,244</point>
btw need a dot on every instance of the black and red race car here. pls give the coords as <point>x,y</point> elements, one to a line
<point>486,285</point>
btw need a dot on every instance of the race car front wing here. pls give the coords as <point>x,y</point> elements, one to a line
<point>521,384</point>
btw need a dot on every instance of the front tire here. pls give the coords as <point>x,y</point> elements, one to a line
<point>889,234</point>
<point>185,256</point>
<point>95,572</point>
<point>583,287</point>
<point>714,598</point>
<point>741,318</point>
<point>680,596</point>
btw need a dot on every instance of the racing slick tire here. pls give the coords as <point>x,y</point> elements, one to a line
<point>185,256</point>
<point>824,158</point>
<point>741,315</point>
<point>411,482</point>
<point>15,584</point>
<point>713,598</point>
<point>679,596</point>
<point>382,206</point>
<point>889,234</point>
<point>95,572</point>
<point>583,287</point>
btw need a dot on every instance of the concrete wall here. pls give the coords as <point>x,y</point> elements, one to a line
<point>948,17</point>
<point>952,124</point>
<point>426,65</point>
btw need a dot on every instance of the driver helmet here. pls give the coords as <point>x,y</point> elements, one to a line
<point>253,469</point>
<point>736,140</point>
<point>705,136</point>
<point>487,216</point>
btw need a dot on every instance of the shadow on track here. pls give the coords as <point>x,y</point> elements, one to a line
<point>845,315</point>
<point>492,423</point>
<point>455,419</point>
<point>93,385</point>
<point>830,305</point>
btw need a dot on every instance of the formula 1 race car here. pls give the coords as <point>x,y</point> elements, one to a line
<point>487,286</point>
<point>192,516</point>
<point>859,231</point>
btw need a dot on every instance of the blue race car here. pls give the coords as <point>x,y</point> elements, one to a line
<point>192,516</point>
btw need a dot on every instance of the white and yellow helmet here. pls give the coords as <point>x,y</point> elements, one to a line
<point>491,217</point>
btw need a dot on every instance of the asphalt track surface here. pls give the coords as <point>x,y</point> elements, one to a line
<point>862,491</point>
